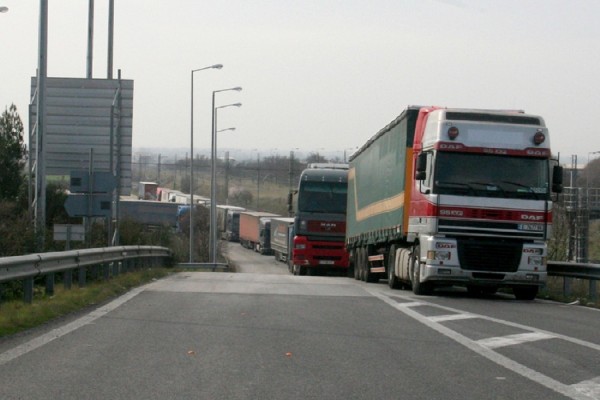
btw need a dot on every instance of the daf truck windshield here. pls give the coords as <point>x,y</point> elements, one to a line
<point>491,176</point>
<point>322,197</point>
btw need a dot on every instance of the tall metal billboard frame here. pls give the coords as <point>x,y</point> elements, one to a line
<point>83,116</point>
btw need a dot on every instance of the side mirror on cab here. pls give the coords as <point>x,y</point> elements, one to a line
<point>421,170</point>
<point>557,179</point>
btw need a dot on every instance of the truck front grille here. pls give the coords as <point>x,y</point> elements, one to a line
<point>328,247</point>
<point>486,228</point>
<point>489,255</point>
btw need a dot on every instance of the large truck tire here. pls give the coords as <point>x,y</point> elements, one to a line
<point>356,263</point>
<point>525,292</point>
<point>350,271</point>
<point>393,281</point>
<point>418,287</point>
<point>299,270</point>
<point>360,264</point>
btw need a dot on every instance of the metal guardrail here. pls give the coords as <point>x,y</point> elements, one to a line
<point>118,259</point>
<point>112,260</point>
<point>574,270</point>
<point>570,270</point>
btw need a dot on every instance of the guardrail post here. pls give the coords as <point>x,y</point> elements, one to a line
<point>68,279</point>
<point>115,268</point>
<point>1,287</point>
<point>106,271</point>
<point>593,290</point>
<point>82,273</point>
<point>50,284</point>
<point>28,290</point>
<point>567,286</point>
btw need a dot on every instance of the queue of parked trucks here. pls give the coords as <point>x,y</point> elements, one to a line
<point>438,197</point>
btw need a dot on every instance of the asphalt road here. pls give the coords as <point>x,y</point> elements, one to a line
<point>202,335</point>
<point>247,261</point>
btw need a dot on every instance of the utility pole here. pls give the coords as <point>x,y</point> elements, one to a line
<point>90,44</point>
<point>226,177</point>
<point>40,171</point>
<point>158,170</point>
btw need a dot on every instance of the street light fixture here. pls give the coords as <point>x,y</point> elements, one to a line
<point>213,180</point>
<point>215,66</point>
<point>3,9</point>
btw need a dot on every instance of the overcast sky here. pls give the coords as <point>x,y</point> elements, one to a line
<point>321,74</point>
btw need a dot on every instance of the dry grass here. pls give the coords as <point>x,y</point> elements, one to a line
<point>17,316</point>
<point>579,291</point>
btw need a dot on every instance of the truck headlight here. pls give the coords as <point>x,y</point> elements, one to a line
<point>537,261</point>
<point>438,255</point>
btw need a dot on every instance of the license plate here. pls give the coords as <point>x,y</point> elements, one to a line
<point>326,262</point>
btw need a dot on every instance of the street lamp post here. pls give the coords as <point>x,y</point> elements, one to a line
<point>215,239</point>
<point>213,180</point>
<point>226,184</point>
<point>215,66</point>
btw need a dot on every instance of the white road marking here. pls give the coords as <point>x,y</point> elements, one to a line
<point>591,387</point>
<point>571,391</point>
<point>411,304</point>
<point>452,317</point>
<point>63,330</point>
<point>511,340</point>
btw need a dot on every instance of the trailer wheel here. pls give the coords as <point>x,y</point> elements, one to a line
<point>351,272</point>
<point>356,264</point>
<point>393,281</point>
<point>418,287</point>
<point>361,264</point>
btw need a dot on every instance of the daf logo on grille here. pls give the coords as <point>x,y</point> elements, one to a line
<point>529,217</point>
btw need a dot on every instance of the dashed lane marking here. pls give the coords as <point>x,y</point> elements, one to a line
<point>511,340</point>
<point>452,317</point>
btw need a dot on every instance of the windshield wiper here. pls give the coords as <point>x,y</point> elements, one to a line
<point>529,188</point>
<point>449,184</point>
<point>490,185</point>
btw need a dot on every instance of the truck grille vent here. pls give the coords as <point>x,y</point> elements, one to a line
<point>488,276</point>
<point>487,255</point>
<point>327,247</point>
<point>481,228</point>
